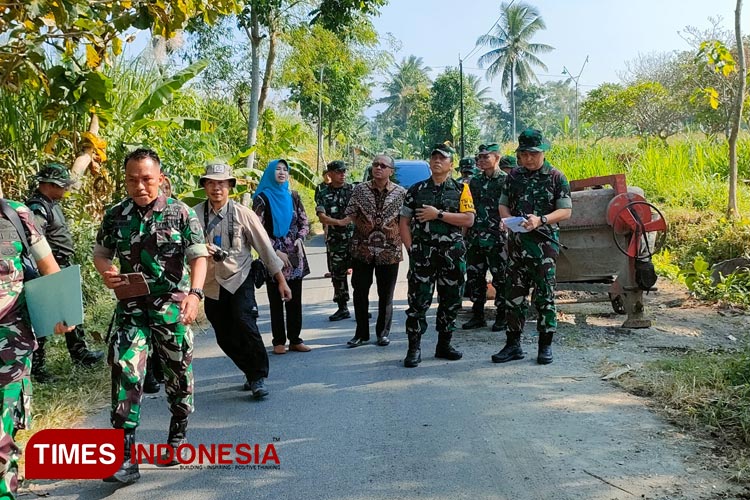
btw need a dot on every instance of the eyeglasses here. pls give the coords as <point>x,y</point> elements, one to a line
<point>380,165</point>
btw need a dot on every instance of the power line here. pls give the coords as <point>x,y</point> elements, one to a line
<point>476,47</point>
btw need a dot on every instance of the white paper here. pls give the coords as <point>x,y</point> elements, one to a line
<point>514,224</point>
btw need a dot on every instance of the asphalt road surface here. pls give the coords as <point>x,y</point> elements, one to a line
<point>354,424</point>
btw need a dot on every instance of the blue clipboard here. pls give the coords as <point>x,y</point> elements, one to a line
<point>54,298</point>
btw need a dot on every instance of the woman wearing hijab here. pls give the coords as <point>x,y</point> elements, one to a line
<point>281,211</point>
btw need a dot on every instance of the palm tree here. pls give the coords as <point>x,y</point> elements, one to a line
<point>407,81</point>
<point>513,54</point>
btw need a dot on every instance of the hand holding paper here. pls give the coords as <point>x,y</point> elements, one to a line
<point>514,224</point>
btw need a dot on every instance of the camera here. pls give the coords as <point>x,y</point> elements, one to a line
<point>220,255</point>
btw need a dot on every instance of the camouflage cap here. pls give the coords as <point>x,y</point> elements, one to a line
<point>218,172</point>
<point>508,161</point>
<point>532,140</point>
<point>444,149</point>
<point>55,173</point>
<point>489,148</point>
<point>466,163</point>
<point>336,166</point>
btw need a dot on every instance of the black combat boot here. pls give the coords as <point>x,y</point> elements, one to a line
<point>79,351</point>
<point>500,324</point>
<point>544,356</point>
<point>38,365</point>
<point>477,317</point>
<point>341,313</point>
<point>177,436</point>
<point>128,472</point>
<point>444,349</point>
<point>512,349</point>
<point>414,353</point>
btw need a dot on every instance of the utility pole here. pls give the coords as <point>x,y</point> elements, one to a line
<point>461,108</point>
<point>575,80</point>
<point>320,124</point>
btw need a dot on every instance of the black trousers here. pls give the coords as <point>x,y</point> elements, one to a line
<point>234,319</point>
<point>293,313</point>
<point>386,276</point>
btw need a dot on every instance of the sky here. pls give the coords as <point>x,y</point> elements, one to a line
<point>609,32</point>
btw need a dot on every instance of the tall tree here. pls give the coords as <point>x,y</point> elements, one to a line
<point>732,208</point>
<point>407,96</point>
<point>263,22</point>
<point>443,122</point>
<point>343,91</point>
<point>513,53</point>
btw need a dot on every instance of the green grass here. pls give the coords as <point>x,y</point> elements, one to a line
<point>707,393</point>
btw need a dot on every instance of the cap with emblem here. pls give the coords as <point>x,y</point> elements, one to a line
<point>466,163</point>
<point>488,148</point>
<point>444,149</point>
<point>532,140</point>
<point>336,166</point>
<point>55,173</point>
<point>508,161</point>
<point>218,172</point>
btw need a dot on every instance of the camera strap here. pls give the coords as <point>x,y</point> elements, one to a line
<point>217,220</point>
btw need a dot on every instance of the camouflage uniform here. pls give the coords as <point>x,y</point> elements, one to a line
<point>158,241</point>
<point>533,258</point>
<point>51,222</point>
<point>17,342</point>
<point>437,256</point>
<point>486,243</point>
<point>332,201</point>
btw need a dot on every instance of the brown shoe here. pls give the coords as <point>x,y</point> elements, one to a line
<point>279,349</point>
<point>300,347</point>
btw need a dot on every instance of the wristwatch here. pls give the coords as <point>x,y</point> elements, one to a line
<point>543,218</point>
<point>198,292</point>
<point>440,214</point>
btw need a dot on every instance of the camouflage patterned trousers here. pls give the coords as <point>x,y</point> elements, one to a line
<point>430,266</point>
<point>339,262</point>
<point>128,353</point>
<point>531,264</point>
<point>17,340</point>
<point>480,259</point>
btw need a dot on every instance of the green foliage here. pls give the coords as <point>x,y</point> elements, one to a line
<point>79,37</point>
<point>443,120</point>
<point>344,92</point>
<point>647,108</point>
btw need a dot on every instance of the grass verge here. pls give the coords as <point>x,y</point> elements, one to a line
<point>707,393</point>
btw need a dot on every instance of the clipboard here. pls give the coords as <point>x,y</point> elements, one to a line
<point>135,286</point>
<point>54,298</point>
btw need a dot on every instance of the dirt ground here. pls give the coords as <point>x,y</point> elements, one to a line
<point>679,324</point>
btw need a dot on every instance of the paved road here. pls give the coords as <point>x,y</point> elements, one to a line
<point>355,424</point>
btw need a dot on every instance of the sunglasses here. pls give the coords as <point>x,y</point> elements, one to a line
<point>380,165</point>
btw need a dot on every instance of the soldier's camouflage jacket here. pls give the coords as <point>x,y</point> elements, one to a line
<point>486,192</point>
<point>537,192</point>
<point>158,241</point>
<point>332,202</point>
<point>450,196</point>
<point>17,342</point>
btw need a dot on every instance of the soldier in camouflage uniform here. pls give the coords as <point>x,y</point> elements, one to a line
<point>508,163</point>
<point>161,238</point>
<point>331,201</point>
<point>486,242</point>
<point>467,167</point>
<point>432,216</point>
<point>541,193</point>
<point>54,180</point>
<point>16,337</point>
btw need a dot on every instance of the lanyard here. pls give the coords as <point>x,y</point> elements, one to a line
<point>217,220</point>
